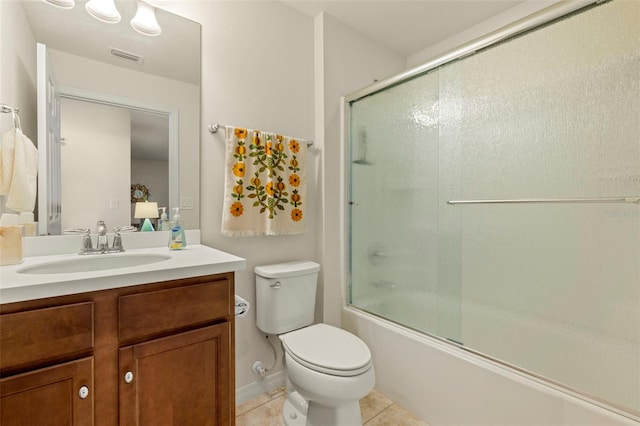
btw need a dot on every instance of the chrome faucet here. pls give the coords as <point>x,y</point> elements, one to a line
<point>102,243</point>
<point>117,238</point>
<point>87,244</point>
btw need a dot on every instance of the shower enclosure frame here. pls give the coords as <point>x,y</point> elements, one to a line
<point>537,19</point>
<point>520,26</point>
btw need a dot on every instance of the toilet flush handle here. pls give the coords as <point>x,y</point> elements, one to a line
<point>276,285</point>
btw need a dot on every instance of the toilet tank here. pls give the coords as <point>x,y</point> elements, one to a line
<point>285,296</point>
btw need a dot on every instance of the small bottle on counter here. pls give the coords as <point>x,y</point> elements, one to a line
<point>177,239</point>
<point>164,224</point>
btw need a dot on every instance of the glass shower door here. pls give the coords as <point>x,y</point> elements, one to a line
<point>549,288</point>
<point>394,209</point>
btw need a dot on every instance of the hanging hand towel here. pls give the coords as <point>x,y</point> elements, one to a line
<point>18,171</point>
<point>264,184</point>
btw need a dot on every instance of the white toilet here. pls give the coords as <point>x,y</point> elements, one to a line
<point>328,369</point>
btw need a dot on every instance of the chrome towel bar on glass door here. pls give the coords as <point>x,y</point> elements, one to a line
<point>631,200</point>
<point>213,128</point>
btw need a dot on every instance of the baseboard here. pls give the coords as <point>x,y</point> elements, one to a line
<point>255,389</point>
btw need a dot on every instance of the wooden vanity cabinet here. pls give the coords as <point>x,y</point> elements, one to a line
<point>45,390</point>
<point>57,395</point>
<point>153,354</point>
<point>181,379</point>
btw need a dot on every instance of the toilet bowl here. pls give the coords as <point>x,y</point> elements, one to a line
<point>328,369</point>
<point>332,370</point>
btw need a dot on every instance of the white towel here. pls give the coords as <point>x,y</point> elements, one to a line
<point>265,184</point>
<point>18,171</point>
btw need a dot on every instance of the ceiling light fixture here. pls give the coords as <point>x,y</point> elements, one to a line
<point>103,10</point>
<point>64,4</point>
<point>145,20</point>
<point>158,3</point>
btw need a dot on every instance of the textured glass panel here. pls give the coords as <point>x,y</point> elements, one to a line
<point>550,288</point>
<point>394,191</point>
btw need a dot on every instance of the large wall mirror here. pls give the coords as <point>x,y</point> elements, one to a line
<point>129,113</point>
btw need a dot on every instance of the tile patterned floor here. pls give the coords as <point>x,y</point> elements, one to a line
<point>377,410</point>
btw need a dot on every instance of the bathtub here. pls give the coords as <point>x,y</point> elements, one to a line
<point>446,385</point>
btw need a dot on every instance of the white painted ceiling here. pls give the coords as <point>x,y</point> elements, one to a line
<point>406,26</point>
<point>174,54</point>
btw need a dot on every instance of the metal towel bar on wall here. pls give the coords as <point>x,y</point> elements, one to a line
<point>629,200</point>
<point>6,109</point>
<point>213,128</point>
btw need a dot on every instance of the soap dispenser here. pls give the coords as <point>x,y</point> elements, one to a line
<point>164,224</point>
<point>177,239</point>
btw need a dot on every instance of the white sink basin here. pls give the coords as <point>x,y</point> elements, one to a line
<point>91,263</point>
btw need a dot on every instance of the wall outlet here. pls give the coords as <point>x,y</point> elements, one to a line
<point>186,203</point>
<point>114,204</point>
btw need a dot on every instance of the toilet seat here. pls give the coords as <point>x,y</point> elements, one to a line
<point>327,349</point>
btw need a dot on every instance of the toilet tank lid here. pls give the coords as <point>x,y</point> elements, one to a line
<point>288,269</point>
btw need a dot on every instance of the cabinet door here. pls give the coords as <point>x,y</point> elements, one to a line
<point>58,395</point>
<point>184,379</point>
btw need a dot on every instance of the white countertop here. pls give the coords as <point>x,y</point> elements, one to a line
<point>194,260</point>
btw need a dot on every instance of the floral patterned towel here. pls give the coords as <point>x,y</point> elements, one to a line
<point>264,184</point>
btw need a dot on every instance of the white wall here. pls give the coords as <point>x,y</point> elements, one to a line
<point>152,174</point>
<point>96,137</point>
<point>257,72</point>
<point>17,71</point>
<point>263,77</point>
<point>79,72</point>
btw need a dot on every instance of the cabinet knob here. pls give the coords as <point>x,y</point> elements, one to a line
<point>128,377</point>
<point>83,392</point>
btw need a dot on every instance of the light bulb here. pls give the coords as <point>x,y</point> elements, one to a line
<point>145,20</point>
<point>64,4</point>
<point>158,3</point>
<point>103,10</point>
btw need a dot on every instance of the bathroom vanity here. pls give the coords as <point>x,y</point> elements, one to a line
<point>138,345</point>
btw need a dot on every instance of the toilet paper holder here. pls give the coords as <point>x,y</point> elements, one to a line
<point>242,306</point>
